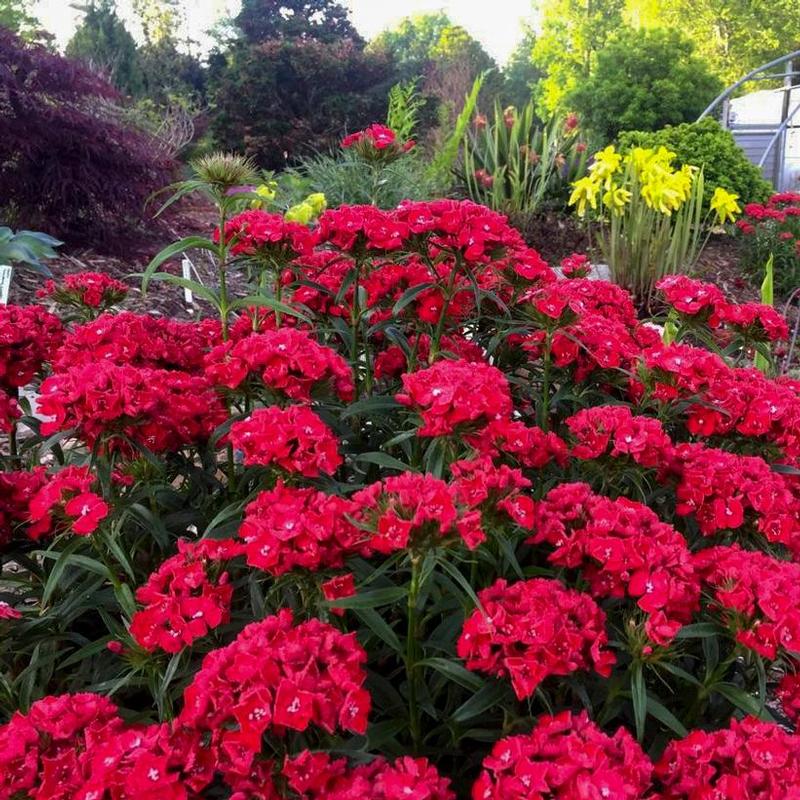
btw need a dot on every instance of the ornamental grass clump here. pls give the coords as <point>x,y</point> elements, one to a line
<point>409,516</point>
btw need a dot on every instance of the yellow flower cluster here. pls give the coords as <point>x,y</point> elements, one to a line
<point>308,210</point>
<point>613,179</point>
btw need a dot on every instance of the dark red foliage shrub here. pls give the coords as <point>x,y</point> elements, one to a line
<point>68,164</point>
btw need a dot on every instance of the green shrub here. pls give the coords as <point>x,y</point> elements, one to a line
<point>708,145</point>
<point>644,80</point>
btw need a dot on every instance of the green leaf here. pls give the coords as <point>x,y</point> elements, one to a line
<point>741,699</point>
<point>486,698</point>
<point>369,404</point>
<point>639,698</point>
<point>665,716</point>
<point>699,630</point>
<point>383,460</point>
<point>409,295</point>
<point>372,599</point>
<point>378,626</point>
<point>267,302</point>
<point>455,672</point>
<point>66,558</point>
<point>176,248</point>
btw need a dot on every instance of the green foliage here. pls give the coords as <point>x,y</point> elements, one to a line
<point>323,20</point>
<point>735,36</point>
<point>644,80</point>
<point>573,31</point>
<point>441,167</point>
<point>27,247</point>
<point>282,99</point>
<point>344,178</point>
<point>520,75</point>
<point>16,16</point>
<point>103,42</point>
<point>708,145</point>
<point>513,165</point>
<point>411,43</point>
<point>405,104</point>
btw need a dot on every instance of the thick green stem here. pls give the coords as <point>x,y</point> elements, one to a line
<point>412,653</point>
<point>222,257</point>
<point>448,294</point>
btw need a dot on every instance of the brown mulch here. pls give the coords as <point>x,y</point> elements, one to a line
<point>190,217</point>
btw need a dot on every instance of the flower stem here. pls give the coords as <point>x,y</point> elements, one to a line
<point>544,420</point>
<point>412,652</point>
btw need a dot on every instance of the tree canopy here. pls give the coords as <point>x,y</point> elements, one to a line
<point>323,20</point>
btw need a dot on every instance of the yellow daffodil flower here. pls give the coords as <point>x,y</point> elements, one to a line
<point>616,198</point>
<point>584,191</point>
<point>725,205</point>
<point>606,163</point>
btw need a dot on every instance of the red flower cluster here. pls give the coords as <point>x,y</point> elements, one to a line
<point>315,776</point>
<point>393,361</point>
<point>138,340</point>
<point>622,549</point>
<point>286,361</point>
<point>706,303</point>
<point>91,290</point>
<point>288,528</point>
<point>640,438</point>
<point>160,409</point>
<point>28,334</point>
<point>182,599</point>
<point>530,447</point>
<point>788,693</point>
<point>9,411</point>
<point>276,676</point>
<point>576,265</point>
<point>66,502</point>
<point>750,759</point>
<point>565,757</point>
<point>453,396</point>
<point>405,510</point>
<point>719,488</point>
<point>261,233</point>
<point>377,141</point>
<point>45,754</point>
<point>294,439</point>
<point>479,485</point>
<point>533,629</point>
<point>16,490</point>
<point>760,594</point>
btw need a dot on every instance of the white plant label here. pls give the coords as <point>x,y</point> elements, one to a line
<point>186,267</point>
<point>5,282</point>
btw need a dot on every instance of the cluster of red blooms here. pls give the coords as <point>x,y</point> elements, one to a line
<point>28,335</point>
<point>777,218</point>
<point>595,430</point>
<point>706,302</point>
<point>532,629</point>
<point>393,361</point>
<point>276,675</point>
<point>452,396</point>
<point>479,485</point>
<point>315,776</point>
<point>288,528</point>
<point>719,488</point>
<point>138,340</point>
<point>529,446</point>
<point>91,290</point>
<point>294,439</point>
<point>261,233</point>
<point>182,599</point>
<point>576,265</point>
<point>9,411</point>
<point>43,505</point>
<point>750,759</point>
<point>759,594</point>
<point>377,141</point>
<point>163,410</point>
<point>788,693</point>
<point>566,757</point>
<point>622,549</point>
<point>66,501</point>
<point>402,510</point>
<point>287,361</point>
